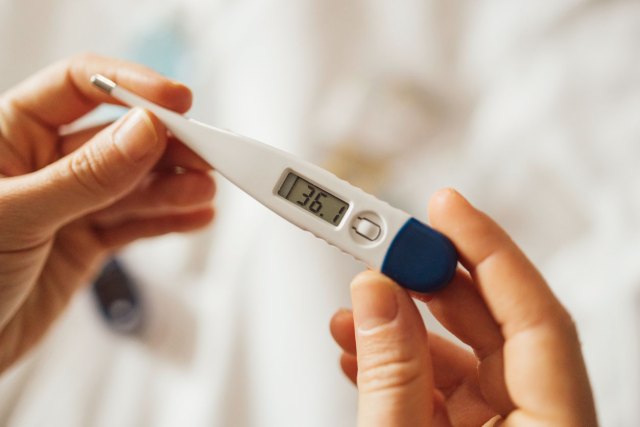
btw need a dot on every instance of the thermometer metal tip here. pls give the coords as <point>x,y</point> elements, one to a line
<point>103,83</point>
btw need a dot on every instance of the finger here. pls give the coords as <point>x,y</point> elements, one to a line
<point>440,416</point>
<point>349,365</point>
<point>395,381</point>
<point>452,365</point>
<point>456,377</point>
<point>459,307</point>
<point>107,167</point>
<point>512,288</point>
<point>72,141</point>
<point>544,368</point>
<point>178,155</point>
<point>160,194</point>
<point>343,331</point>
<point>67,84</point>
<point>175,155</point>
<point>122,234</point>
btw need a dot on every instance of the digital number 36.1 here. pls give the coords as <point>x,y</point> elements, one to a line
<point>316,205</point>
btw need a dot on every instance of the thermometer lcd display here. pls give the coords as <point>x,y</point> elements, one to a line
<point>313,199</point>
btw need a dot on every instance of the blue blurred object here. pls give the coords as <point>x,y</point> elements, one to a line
<point>118,298</point>
<point>420,258</point>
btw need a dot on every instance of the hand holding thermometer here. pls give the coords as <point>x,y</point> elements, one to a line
<point>385,238</point>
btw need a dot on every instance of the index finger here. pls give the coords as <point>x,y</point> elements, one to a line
<point>62,92</point>
<point>543,366</point>
<point>513,289</point>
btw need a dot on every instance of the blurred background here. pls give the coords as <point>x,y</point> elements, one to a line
<point>529,108</point>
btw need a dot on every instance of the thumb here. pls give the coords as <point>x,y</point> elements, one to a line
<point>102,170</point>
<point>395,379</point>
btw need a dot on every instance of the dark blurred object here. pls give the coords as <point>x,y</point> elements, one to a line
<point>118,298</point>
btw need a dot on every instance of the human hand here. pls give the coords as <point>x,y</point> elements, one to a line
<point>526,368</point>
<point>66,202</point>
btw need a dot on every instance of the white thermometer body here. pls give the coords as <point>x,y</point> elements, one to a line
<point>385,238</point>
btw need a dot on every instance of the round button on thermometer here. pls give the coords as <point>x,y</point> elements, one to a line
<point>366,228</point>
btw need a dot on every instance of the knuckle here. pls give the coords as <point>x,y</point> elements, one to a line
<point>389,374</point>
<point>555,323</point>
<point>566,325</point>
<point>88,170</point>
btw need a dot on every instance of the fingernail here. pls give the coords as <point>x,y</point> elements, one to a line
<point>374,301</point>
<point>136,136</point>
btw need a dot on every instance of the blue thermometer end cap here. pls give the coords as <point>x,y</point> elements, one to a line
<point>420,258</point>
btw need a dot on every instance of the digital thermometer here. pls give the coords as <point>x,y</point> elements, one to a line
<point>385,238</point>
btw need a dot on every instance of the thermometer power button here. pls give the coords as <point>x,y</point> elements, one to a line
<point>367,228</point>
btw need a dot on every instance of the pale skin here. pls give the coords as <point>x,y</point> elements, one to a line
<point>67,202</point>
<point>526,367</point>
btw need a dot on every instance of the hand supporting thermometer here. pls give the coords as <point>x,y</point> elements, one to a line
<point>385,238</point>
